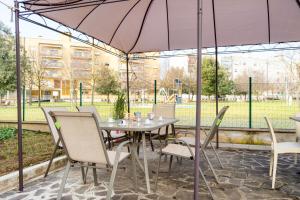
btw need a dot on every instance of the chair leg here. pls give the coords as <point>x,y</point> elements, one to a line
<point>63,181</point>
<point>271,163</point>
<point>52,157</point>
<point>206,183</point>
<point>139,141</point>
<point>112,177</point>
<point>95,174</point>
<point>157,171</point>
<point>210,165</point>
<point>134,172</point>
<point>217,155</point>
<point>83,174</point>
<point>274,170</point>
<point>151,142</point>
<point>170,165</point>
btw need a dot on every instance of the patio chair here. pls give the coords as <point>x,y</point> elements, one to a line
<point>183,150</point>
<point>165,111</point>
<point>83,143</point>
<point>279,148</point>
<point>53,130</point>
<point>209,135</point>
<point>110,136</point>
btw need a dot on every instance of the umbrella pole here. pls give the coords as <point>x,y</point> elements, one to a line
<point>18,71</point>
<point>216,69</point>
<point>127,82</point>
<point>198,101</point>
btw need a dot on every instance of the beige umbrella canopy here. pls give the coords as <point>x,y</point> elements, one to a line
<point>134,26</point>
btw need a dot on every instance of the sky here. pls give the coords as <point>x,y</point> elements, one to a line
<point>26,29</point>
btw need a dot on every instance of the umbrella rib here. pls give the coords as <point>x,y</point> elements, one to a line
<point>168,25</point>
<point>122,21</point>
<point>89,14</point>
<point>298,2</point>
<point>142,25</point>
<point>269,28</point>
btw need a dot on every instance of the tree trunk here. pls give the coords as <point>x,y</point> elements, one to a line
<point>108,100</point>
<point>30,95</point>
<point>40,91</point>
<point>93,92</point>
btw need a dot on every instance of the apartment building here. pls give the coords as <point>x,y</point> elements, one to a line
<point>62,64</point>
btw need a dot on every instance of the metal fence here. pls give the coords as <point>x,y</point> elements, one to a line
<point>246,109</point>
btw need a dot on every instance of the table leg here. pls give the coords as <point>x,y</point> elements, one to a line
<point>146,163</point>
<point>134,153</point>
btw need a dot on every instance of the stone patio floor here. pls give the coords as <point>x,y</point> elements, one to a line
<point>245,176</point>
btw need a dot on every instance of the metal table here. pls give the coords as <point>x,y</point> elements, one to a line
<point>139,127</point>
<point>295,119</point>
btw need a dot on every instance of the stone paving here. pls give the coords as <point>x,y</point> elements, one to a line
<point>245,176</point>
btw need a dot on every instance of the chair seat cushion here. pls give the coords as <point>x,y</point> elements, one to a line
<point>112,155</point>
<point>178,150</point>
<point>114,134</point>
<point>288,147</point>
<point>117,134</point>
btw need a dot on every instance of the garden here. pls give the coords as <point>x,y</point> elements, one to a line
<point>37,148</point>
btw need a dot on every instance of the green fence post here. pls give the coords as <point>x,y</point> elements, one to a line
<point>80,93</point>
<point>250,102</point>
<point>24,101</point>
<point>155,92</point>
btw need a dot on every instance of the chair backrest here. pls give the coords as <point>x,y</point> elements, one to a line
<point>50,121</point>
<point>164,110</point>
<point>215,126</point>
<point>79,132</point>
<point>91,109</point>
<point>273,136</point>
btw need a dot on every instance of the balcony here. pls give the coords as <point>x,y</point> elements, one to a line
<point>80,65</point>
<point>53,74</point>
<point>85,74</point>
<point>85,55</point>
<point>52,64</point>
<point>51,53</point>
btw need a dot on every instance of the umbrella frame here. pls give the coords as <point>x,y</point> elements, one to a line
<point>198,101</point>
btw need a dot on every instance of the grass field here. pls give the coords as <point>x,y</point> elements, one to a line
<point>237,115</point>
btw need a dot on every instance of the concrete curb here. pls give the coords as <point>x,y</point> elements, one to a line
<point>10,181</point>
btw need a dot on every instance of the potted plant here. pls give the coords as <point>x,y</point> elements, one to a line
<point>119,106</point>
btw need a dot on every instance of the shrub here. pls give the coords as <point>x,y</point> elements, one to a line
<point>6,133</point>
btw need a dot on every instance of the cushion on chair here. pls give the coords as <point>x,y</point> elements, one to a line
<point>288,147</point>
<point>112,155</point>
<point>178,150</point>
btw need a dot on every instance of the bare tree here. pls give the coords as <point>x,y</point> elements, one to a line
<point>35,76</point>
<point>168,81</point>
<point>292,75</point>
<point>94,78</point>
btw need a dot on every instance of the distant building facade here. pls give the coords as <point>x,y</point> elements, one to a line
<point>63,64</point>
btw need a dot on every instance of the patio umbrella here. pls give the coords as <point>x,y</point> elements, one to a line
<point>135,26</point>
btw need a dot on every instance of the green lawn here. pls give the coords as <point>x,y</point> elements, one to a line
<point>237,116</point>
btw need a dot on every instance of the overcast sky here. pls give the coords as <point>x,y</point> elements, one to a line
<point>26,29</point>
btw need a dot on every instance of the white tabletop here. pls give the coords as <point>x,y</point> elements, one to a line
<point>140,126</point>
<point>295,118</point>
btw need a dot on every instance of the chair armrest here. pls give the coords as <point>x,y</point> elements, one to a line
<point>121,145</point>
<point>183,142</point>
